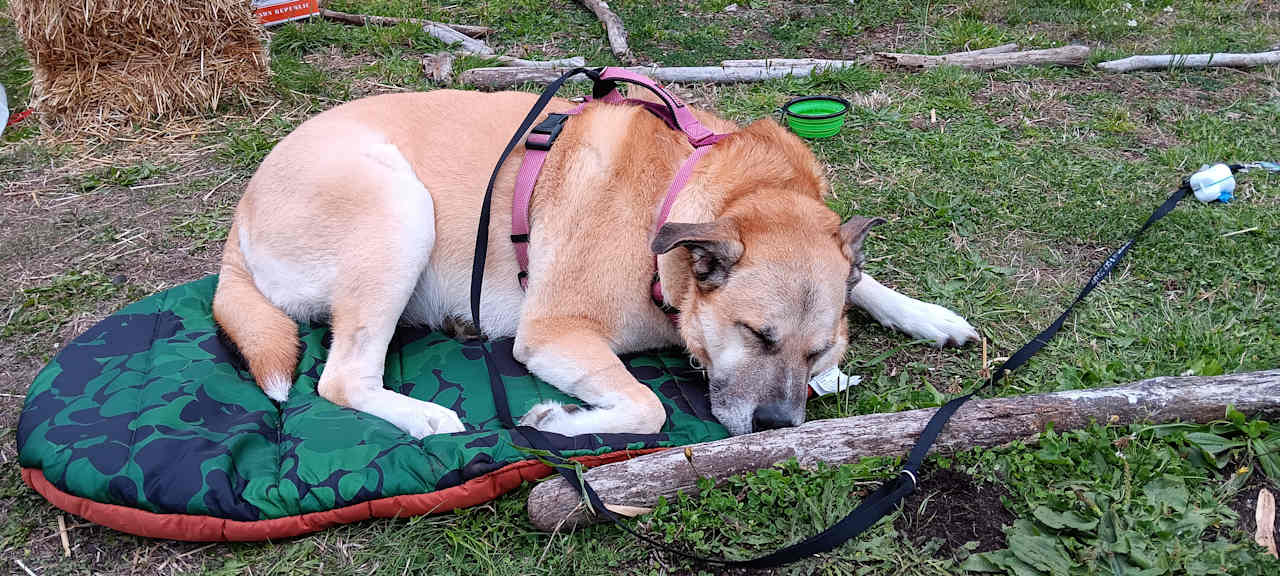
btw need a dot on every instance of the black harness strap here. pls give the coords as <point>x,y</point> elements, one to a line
<point>482,231</point>
<point>876,505</point>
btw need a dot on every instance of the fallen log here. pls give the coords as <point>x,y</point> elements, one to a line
<point>981,422</point>
<point>1064,56</point>
<point>514,76</point>
<point>825,63</point>
<point>367,20</point>
<point>613,28</point>
<point>1167,61</point>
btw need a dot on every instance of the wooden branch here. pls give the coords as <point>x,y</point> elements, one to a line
<point>822,63</point>
<point>1166,61</point>
<point>1064,56</point>
<point>507,77</point>
<point>450,36</point>
<point>985,422</point>
<point>438,67</point>
<point>559,63</point>
<point>613,28</point>
<point>1001,49</point>
<point>366,20</point>
<point>816,62</point>
<point>1264,516</point>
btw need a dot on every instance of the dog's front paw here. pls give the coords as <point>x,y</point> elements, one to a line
<point>939,325</point>
<point>434,419</point>
<point>546,415</point>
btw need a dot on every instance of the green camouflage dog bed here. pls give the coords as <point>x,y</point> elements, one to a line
<point>149,423</point>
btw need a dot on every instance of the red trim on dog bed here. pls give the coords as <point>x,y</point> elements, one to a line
<point>194,528</point>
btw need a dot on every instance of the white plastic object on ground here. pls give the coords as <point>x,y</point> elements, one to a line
<point>832,381</point>
<point>1213,183</point>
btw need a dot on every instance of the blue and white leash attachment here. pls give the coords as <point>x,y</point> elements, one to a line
<point>1218,182</point>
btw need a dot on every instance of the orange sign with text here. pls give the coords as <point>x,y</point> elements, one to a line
<point>270,12</point>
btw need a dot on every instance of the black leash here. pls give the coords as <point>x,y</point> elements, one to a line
<point>881,502</point>
<point>482,231</point>
<point>875,506</point>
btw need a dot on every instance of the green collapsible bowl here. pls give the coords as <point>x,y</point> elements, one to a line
<point>816,116</point>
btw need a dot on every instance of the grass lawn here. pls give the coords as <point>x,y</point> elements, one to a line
<point>1003,191</point>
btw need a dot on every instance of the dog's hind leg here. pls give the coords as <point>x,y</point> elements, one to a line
<point>390,243</point>
<point>905,314</point>
<point>572,355</point>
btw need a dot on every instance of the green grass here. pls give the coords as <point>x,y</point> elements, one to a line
<point>121,176</point>
<point>38,312</point>
<point>1003,191</point>
<point>206,228</point>
<point>15,75</point>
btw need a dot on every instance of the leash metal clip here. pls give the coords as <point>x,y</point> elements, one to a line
<point>1260,165</point>
<point>911,475</point>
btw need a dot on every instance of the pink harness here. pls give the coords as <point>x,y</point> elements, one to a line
<point>541,137</point>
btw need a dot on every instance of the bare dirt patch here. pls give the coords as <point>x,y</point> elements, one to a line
<point>952,507</point>
<point>1245,502</point>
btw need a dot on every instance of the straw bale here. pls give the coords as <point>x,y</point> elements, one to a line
<point>101,62</point>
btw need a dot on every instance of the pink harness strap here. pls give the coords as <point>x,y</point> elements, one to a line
<point>530,167</point>
<point>538,143</point>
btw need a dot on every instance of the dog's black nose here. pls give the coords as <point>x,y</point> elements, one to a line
<point>769,417</point>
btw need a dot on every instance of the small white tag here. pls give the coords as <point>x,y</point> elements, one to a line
<point>832,381</point>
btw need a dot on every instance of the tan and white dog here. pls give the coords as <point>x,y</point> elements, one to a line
<point>366,216</point>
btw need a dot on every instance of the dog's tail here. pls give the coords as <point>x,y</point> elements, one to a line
<point>266,337</point>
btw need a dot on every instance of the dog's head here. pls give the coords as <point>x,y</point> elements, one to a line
<point>768,280</point>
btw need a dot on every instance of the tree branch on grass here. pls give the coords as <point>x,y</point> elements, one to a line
<point>1167,61</point>
<point>979,60</point>
<point>366,20</point>
<point>438,67</point>
<point>508,77</point>
<point>444,33</point>
<point>638,483</point>
<point>613,28</point>
<point>824,63</point>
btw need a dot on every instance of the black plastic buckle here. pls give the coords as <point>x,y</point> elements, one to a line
<point>549,127</point>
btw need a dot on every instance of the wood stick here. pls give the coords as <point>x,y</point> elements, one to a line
<point>1064,56</point>
<point>24,567</point>
<point>62,532</point>
<point>450,36</point>
<point>438,67</point>
<point>507,77</point>
<point>366,20</point>
<point>1167,61</point>
<point>560,63</point>
<point>1001,49</point>
<point>982,422</point>
<point>613,28</point>
<point>824,63</point>
<point>1264,516</point>
<point>816,62</point>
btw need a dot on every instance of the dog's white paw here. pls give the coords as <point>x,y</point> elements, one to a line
<point>433,419</point>
<point>551,416</point>
<point>943,327</point>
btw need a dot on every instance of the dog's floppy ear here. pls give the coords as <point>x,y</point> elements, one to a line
<point>714,246</point>
<point>852,233</point>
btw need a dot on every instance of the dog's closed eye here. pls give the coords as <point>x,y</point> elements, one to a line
<point>768,340</point>
<point>816,354</point>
